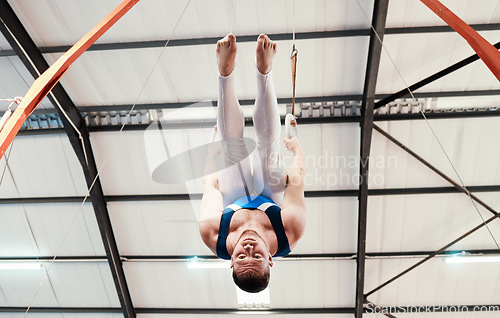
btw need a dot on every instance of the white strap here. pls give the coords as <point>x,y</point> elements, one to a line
<point>290,130</point>
<point>264,206</point>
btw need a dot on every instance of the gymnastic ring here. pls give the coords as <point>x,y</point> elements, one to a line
<point>290,129</point>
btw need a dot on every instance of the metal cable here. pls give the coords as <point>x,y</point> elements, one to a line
<point>429,125</point>
<point>106,157</point>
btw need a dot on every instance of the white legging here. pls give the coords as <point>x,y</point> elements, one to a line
<point>262,172</point>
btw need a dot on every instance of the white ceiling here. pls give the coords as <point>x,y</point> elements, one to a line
<point>45,165</point>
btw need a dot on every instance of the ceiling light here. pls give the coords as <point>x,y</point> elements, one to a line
<point>15,265</point>
<point>253,300</point>
<point>473,259</point>
<point>198,263</point>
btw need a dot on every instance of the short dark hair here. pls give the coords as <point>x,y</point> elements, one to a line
<point>252,282</point>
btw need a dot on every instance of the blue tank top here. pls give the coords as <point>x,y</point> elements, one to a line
<point>262,203</point>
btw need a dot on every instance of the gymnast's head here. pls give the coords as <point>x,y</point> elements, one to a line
<point>251,262</point>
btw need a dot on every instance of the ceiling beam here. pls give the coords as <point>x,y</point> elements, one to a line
<point>450,69</point>
<point>251,38</point>
<point>25,48</point>
<point>380,8</point>
<point>414,310</point>
<point>285,100</point>
<point>432,255</point>
<point>310,256</point>
<point>479,112</point>
<point>458,186</point>
<point>308,194</point>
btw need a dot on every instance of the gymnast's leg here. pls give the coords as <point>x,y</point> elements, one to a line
<point>235,180</point>
<point>270,180</point>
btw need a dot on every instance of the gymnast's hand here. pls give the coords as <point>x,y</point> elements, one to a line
<point>292,144</point>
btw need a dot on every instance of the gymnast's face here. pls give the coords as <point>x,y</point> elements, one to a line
<point>251,254</point>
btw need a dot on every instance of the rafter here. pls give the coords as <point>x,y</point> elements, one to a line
<point>380,8</point>
<point>46,81</point>
<point>74,124</point>
<point>251,38</point>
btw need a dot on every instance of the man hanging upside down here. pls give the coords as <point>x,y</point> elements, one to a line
<point>252,210</point>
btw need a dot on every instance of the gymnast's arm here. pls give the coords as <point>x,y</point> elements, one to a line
<point>211,205</point>
<point>294,207</point>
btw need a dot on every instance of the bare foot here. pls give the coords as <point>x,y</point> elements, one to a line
<point>265,53</point>
<point>226,54</point>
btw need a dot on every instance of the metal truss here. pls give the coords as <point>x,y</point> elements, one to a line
<point>380,8</point>
<point>24,47</point>
<point>251,38</point>
<point>308,194</point>
<point>430,79</point>
<point>458,187</point>
<point>294,257</point>
<point>311,113</point>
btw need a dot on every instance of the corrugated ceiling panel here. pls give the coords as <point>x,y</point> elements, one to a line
<point>126,170</point>
<point>189,73</point>
<point>426,223</point>
<point>470,144</point>
<point>19,287</point>
<point>173,284</point>
<point>49,229</point>
<point>475,76</point>
<point>42,166</point>
<point>390,167</point>
<point>465,102</point>
<point>331,155</point>
<point>156,228</point>
<point>485,237</point>
<point>68,285</point>
<point>492,198</point>
<point>331,159</point>
<point>434,283</point>
<point>331,226</point>
<point>332,286</point>
<point>86,285</point>
<point>418,56</point>
<point>171,227</point>
<point>410,13</point>
<point>4,45</point>
<point>117,77</point>
<point>61,22</point>
<point>16,81</point>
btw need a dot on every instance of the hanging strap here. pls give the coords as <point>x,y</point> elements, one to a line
<point>293,57</point>
<point>5,117</point>
<point>8,113</point>
<point>290,119</point>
